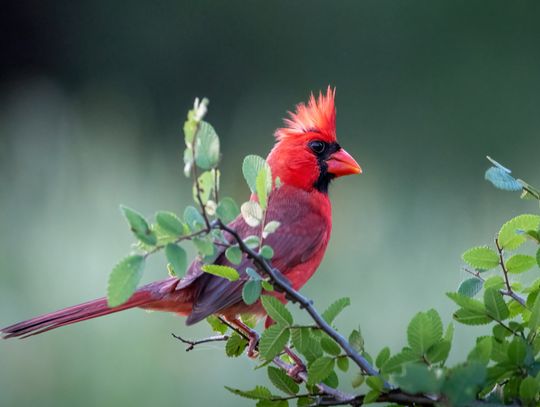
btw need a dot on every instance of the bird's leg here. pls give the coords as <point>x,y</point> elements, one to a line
<point>298,366</point>
<point>253,336</point>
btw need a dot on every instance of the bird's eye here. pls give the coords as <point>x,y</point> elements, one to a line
<point>317,146</point>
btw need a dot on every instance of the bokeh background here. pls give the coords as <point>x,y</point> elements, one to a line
<point>93,95</point>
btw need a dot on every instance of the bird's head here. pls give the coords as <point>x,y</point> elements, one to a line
<point>307,154</point>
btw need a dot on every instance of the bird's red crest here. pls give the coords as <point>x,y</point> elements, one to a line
<point>318,115</point>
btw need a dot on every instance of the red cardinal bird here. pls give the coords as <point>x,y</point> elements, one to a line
<point>306,158</point>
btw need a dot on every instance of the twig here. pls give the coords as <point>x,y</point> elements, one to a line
<point>509,290</point>
<point>510,294</point>
<point>192,343</point>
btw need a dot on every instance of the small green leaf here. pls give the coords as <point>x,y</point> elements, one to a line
<point>470,287</point>
<point>332,380</point>
<point>517,351</point>
<point>358,380</point>
<point>263,183</point>
<point>234,254</point>
<point>273,340</point>
<point>481,258</point>
<point>330,346</point>
<point>206,183</point>
<point>520,263</point>
<point>382,357</point>
<point>439,351</point>
<point>343,363</point>
<point>170,223</point>
<point>267,286</point>
<point>252,241</point>
<point>221,271</point>
<point>320,369</point>
<point>283,382</point>
<point>469,317</point>
<point>482,351</point>
<point>509,237</point>
<point>422,333</point>
<point>371,396</point>
<point>395,363</point>
<point>206,146</point>
<point>270,228</point>
<point>534,319</point>
<point>467,302</point>
<point>251,166</point>
<point>235,345</point>
<point>193,218</point>
<point>258,393</point>
<point>216,324</point>
<point>267,252</point>
<point>177,257</point>
<point>139,226</point>
<point>306,344</point>
<point>356,340</point>
<point>276,310</point>
<point>204,246</point>
<point>251,291</point>
<point>538,257</point>
<point>495,282</point>
<point>375,383</point>
<point>495,305</point>
<point>528,390</point>
<point>252,213</point>
<point>335,308</point>
<point>227,210</point>
<point>124,279</point>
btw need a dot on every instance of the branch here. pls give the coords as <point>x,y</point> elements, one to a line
<point>510,294</point>
<point>192,343</point>
<point>509,290</point>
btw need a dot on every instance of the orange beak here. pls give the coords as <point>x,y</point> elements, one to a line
<point>342,163</point>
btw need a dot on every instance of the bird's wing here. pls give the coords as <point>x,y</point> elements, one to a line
<point>303,230</point>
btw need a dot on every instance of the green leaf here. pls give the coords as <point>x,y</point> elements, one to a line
<point>382,357</point>
<point>371,396</point>
<point>482,351</point>
<point>170,223</point>
<point>330,346</point>
<point>509,238</point>
<point>304,342</point>
<point>356,340</point>
<point>234,254</point>
<point>418,378</point>
<point>305,401</point>
<point>375,383</point>
<point>517,351</point>
<point>273,340</point>
<point>422,332</point>
<point>258,393</point>
<point>358,380</point>
<point>469,317</point>
<point>227,210</point>
<point>335,308</point>
<point>251,291</point>
<point>193,218</point>
<point>267,252</point>
<point>320,369</point>
<point>139,226</point>
<point>538,257</point>
<point>270,228</point>
<point>396,362</point>
<point>267,286</point>
<point>470,287</point>
<point>252,241</point>
<point>283,382</point>
<point>221,271</point>
<point>495,282</point>
<point>528,390</point>
<point>252,213</point>
<point>481,258</point>
<point>463,383</point>
<point>206,182</point>
<point>534,319</point>
<point>206,146</point>
<point>495,305</point>
<point>124,279</point>
<point>343,363</point>
<point>251,166</point>
<point>177,257</point>
<point>235,345</point>
<point>439,351</point>
<point>204,246</point>
<point>519,263</point>
<point>216,324</point>
<point>263,184</point>
<point>467,302</point>
<point>276,310</point>
<point>332,380</point>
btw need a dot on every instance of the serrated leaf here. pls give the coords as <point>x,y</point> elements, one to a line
<point>469,317</point>
<point>519,263</point>
<point>283,382</point>
<point>320,369</point>
<point>206,146</point>
<point>422,333</point>
<point>235,345</point>
<point>332,380</point>
<point>227,210</point>
<point>330,346</point>
<point>177,257</point>
<point>193,219</point>
<point>234,254</point>
<point>251,291</point>
<point>216,324</point>
<point>267,252</point>
<point>270,228</point>
<point>534,319</point>
<point>258,393</point>
<point>252,213</point>
<point>124,279</point>
<point>139,226</point>
<point>418,378</point>
<point>528,390</point>
<point>382,357</point>
<point>371,396</point>
<point>482,351</point>
<point>276,310</point>
<point>467,302</point>
<point>356,340</point>
<point>263,185</point>
<point>273,340</point>
<point>481,258</point>
<point>221,271</point>
<point>251,166</point>
<point>439,351</point>
<point>395,363</point>
<point>509,238</point>
<point>449,334</point>
<point>304,342</point>
<point>495,282</point>
<point>495,304</point>
<point>502,180</point>
<point>517,350</point>
<point>335,308</point>
<point>343,363</point>
<point>170,223</point>
<point>470,287</point>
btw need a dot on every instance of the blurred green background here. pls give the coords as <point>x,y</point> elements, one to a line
<point>93,95</point>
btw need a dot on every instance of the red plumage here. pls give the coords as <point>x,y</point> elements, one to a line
<point>301,205</point>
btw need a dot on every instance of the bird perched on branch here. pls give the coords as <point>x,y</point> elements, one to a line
<point>306,158</point>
